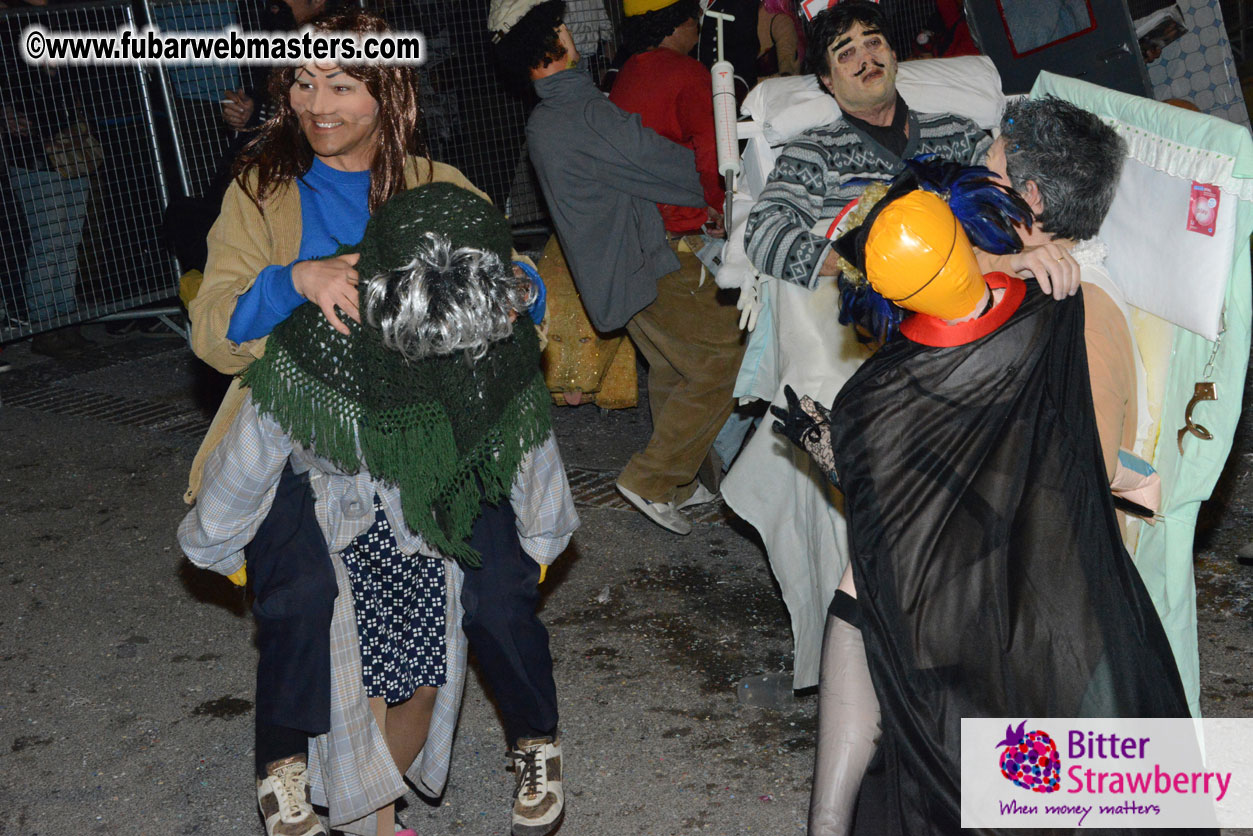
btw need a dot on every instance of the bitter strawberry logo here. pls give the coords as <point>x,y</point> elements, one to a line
<point>1030,759</point>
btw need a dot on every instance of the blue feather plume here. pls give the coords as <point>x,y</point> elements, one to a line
<point>862,307</point>
<point>985,209</point>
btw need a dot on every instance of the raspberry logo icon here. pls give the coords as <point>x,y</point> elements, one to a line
<point>1030,759</point>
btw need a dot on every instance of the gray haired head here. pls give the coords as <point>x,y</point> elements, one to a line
<point>1073,157</point>
<point>445,300</point>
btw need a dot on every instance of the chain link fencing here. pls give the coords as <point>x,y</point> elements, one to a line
<point>83,187</point>
<point>93,157</point>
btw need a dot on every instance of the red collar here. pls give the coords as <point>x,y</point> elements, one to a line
<point>929,330</point>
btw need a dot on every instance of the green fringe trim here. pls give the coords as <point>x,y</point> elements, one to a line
<point>439,490</point>
<point>412,446</point>
<point>311,412</point>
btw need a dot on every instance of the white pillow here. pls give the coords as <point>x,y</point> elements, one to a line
<point>1183,276</point>
<point>789,106</point>
<point>968,85</point>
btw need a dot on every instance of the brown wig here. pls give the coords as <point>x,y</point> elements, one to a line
<point>280,153</point>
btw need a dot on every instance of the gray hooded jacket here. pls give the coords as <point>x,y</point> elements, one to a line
<point>603,174</point>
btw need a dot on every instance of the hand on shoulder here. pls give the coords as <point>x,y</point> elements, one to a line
<point>1050,264</point>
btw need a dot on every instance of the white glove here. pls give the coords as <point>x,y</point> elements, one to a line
<point>749,302</point>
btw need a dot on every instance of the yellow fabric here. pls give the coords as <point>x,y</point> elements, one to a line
<point>240,577</point>
<point>543,572</point>
<point>631,8</point>
<point>580,364</point>
<point>189,286</point>
<point>918,256</point>
<point>242,242</point>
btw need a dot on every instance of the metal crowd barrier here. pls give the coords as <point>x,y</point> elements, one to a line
<point>84,242</point>
<point>83,186</point>
<point>192,95</point>
<point>470,120</point>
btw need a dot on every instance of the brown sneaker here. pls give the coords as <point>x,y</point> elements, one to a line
<point>283,795</point>
<point>539,802</point>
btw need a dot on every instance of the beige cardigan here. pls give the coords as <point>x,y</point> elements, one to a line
<point>243,242</point>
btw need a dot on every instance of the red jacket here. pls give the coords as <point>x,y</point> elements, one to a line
<point>673,95</point>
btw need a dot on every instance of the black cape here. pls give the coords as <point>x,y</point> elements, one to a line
<point>991,576</point>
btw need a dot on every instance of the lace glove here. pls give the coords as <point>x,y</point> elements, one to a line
<point>749,303</point>
<point>808,425</point>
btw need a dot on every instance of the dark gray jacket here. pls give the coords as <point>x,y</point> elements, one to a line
<point>603,174</point>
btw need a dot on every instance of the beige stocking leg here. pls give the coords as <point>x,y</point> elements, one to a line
<point>404,727</point>
<point>407,725</point>
<point>385,818</point>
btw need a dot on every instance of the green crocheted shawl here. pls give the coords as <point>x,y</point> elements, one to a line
<point>437,429</point>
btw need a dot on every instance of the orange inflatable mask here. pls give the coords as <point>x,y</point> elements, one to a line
<point>918,256</point>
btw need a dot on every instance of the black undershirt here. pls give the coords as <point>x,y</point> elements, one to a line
<point>892,137</point>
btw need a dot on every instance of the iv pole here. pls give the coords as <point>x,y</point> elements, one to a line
<point>726,137</point>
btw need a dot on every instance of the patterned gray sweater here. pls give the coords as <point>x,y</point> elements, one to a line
<point>822,170</point>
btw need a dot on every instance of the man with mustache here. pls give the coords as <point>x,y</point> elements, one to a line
<point>820,171</point>
<point>823,169</point>
<point>817,175</point>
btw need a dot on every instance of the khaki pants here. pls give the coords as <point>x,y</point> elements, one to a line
<point>693,346</point>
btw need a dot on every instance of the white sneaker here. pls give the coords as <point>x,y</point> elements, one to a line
<point>283,795</point>
<point>700,496</point>
<point>539,801</point>
<point>662,513</point>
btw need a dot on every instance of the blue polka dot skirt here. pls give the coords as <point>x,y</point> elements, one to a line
<point>399,600</point>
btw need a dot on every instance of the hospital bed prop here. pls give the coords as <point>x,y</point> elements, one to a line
<point>1178,234</point>
<point>1178,238</point>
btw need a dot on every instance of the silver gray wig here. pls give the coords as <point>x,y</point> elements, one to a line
<point>1074,158</point>
<point>445,300</point>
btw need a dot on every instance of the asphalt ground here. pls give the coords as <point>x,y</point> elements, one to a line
<point>126,676</point>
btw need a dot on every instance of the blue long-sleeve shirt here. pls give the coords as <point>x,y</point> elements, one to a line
<point>334,208</point>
